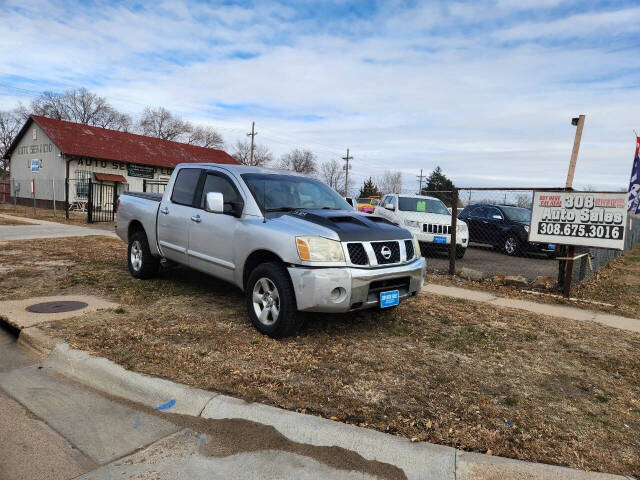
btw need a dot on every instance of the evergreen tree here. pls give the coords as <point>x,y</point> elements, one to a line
<point>439,186</point>
<point>369,189</point>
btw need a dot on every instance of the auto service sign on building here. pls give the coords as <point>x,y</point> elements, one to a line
<point>587,219</point>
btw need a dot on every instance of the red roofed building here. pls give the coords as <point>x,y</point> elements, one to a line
<point>52,151</point>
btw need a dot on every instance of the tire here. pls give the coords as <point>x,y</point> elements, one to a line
<point>510,245</point>
<point>142,264</point>
<point>460,251</point>
<point>282,318</point>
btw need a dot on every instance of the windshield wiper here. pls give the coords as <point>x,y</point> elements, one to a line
<point>281,209</point>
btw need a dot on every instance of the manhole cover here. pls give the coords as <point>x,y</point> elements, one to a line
<point>56,307</point>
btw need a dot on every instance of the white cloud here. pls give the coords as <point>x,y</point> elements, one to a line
<point>408,88</point>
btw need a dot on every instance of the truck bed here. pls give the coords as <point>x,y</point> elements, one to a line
<point>155,197</point>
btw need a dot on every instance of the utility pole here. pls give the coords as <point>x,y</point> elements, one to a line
<point>579,123</point>
<point>252,135</point>
<point>420,177</point>
<point>346,173</point>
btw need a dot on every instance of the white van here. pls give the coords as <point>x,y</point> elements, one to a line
<point>427,218</point>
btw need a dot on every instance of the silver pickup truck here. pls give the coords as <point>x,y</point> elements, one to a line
<point>289,242</point>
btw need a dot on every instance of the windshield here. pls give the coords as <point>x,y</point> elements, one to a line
<point>521,215</point>
<point>289,192</point>
<point>426,205</point>
<point>370,201</point>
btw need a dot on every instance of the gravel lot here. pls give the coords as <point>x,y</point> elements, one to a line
<point>487,260</point>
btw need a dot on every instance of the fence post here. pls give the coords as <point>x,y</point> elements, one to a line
<point>115,200</point>
<point>33,194</point>
<point>15,196</point>
<point>90,203</point>
<point>454,228</point>
<point>53,191</point>
<point>66,198</point>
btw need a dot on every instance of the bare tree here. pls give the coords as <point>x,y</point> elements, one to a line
<point>301,161</point>
<point>524,201</point>
<point>161,123</point>
<point>390,182</point>
<point>10,123</point>
<point>261,154</point>
<point>332,173</point>
<point>205,137</point>
<point>80,106</point>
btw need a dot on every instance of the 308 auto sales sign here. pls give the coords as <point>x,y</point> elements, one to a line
<point>587,219</point>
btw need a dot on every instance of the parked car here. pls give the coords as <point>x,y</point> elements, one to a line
<point>504,227</point>
<point>368,205</point>
<point>352,201</point>
<point>289,242</point>
<point>427,218</point>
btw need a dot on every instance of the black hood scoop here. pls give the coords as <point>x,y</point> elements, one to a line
<point>353,227</point>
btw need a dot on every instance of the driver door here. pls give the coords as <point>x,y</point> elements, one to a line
<point>212,235</point>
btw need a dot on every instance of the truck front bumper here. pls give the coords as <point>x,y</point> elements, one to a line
<point>343,289</point>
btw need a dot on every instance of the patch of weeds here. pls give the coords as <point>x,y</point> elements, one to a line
<point>602,398</point>
<point>510,401</point>
<point>397,329</point>
<point>255,342</point>
<point>445,320</point>
<point>120,310</point>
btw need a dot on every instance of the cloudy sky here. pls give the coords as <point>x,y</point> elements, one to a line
<point>486,90</point>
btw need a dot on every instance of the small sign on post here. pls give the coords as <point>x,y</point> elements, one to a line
<point>35,166</point>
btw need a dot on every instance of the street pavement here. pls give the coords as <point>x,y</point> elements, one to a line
<point>45,229</point>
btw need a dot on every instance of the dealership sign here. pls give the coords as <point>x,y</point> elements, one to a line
<point>587,219</point>
<point>143,171</point>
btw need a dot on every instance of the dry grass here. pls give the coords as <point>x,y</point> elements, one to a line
<point>10,222</point>
<point>435,369</point>
<point>75,218</point>
<point>616,284</point>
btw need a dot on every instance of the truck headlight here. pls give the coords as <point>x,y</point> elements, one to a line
<point>412,223</point>
<point>416,246</point>
<point>319,249</point>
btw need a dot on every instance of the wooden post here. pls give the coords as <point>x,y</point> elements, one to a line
<point>90,203</point>
<point>454,227</point>
<point>579,123</point>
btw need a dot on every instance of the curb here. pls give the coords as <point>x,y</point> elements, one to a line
<point>420,460</point>
<point>37,341</point>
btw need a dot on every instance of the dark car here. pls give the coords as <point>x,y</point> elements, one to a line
<point>504,227</point>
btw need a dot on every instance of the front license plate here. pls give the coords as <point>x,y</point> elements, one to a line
<point>439,239</point>
<point>389,299</point>
<point>552,246</point>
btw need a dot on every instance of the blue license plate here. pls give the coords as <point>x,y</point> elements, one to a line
<point>551,246</point>
<point>389,299</point>
<point>439,239</point>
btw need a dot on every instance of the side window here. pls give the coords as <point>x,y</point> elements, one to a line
<point>385,200</point>
<point>494,211</point>
<point>184,189</point>
<point>393,200</point>
<point>480,212</point>
<point>218,183</point>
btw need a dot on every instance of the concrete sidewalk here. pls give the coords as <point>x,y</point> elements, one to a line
<point>45,229</point>
<point>562,311</point>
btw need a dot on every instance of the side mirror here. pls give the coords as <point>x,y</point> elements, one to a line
<point>214,202</point>
<point>497,217</point>
<point>389,206</point>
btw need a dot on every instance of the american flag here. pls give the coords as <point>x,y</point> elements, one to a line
<point>634,184</point>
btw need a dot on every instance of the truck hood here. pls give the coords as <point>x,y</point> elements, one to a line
<point>348,225</point>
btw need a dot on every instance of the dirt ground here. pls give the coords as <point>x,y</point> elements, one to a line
<point>10,221</point>
<point>434,369</point>
<point>75,218</point>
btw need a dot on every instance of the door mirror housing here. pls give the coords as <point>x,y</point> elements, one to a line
<point>498,217</point>
<point>214,202</point>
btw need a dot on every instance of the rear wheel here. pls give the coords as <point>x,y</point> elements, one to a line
<point>142,264</point>
<point>271,301</point>
<point>510,245</point>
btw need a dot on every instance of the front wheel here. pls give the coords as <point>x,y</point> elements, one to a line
<point>142,264</point>
<point>271,301</point>
<point>510,245</point>
<point>460,251</point>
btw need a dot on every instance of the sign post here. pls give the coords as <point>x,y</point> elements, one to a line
<point>32,184</point>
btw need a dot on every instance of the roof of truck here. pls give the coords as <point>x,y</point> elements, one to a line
<point>240,169</point>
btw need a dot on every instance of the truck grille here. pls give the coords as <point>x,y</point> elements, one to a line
<point>395,252</point>
<point>436,228</point>
<point>357,254</point>
<point>408,246</point>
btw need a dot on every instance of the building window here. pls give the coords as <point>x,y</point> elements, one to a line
<point>82,183</point>
<point>35,133</point>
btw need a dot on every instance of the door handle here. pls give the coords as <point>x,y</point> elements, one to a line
<point>164,210</point>
<point>196,218</point>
